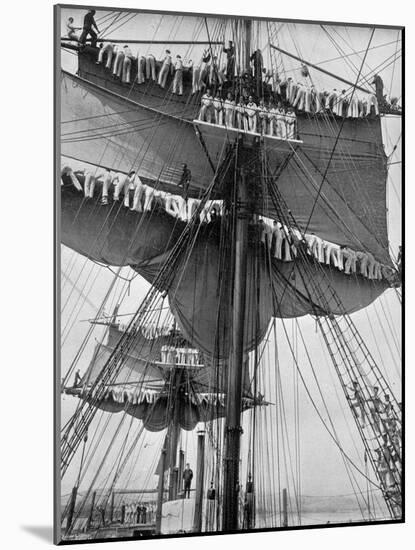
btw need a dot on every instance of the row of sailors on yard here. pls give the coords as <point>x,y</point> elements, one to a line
<point>121,58</point>
<point>182,356</point>
<point>140,197</point>
<point>307,98</point>
<point>152,330</point>
<point>283,244</point>
<point>298,95</point>
<point>209,72</point>
<point>271,120</point>
<point>149,331</point>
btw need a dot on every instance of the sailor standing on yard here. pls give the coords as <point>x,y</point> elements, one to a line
<point>89,22</point>
<point>187,478</point>
<point>230,60</point>
<point>184,182</point>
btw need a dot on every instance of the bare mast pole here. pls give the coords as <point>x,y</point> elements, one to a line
<point>233,428</point>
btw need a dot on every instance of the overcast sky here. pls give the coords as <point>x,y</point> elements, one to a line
<point>322,469</point>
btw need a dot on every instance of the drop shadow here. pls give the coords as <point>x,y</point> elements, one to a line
<point>44,533</point>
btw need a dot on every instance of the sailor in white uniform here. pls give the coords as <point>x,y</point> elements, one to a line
<point>148,197</point>
<point>178,76</point>
<point>118,63</point>
<point>291,90</point>
<point>89,184</point>
<point>141,69</point>
<point>372,102</point>
<point>299,100</point>
<point>280,122</point>
<point>218,109</point>
<point>353,108</point>
<point>278,239</point>
<point>205,113</point>
<point>172,205</point>
<point>333,255</point>
<point>331,100</point>
<point>286,255</point>
<point>338,108</point>
<point>290,120</point>
<point>165,69</point>
<point>349,260</point>
<point>229,109</point>
<point>126,67</point>
<point>123,183</point>
<point>272,120</point>
<point>263,117</point>
<point>241,118</point>
<point>251,111</point>
<point>150,67</point>
<point>266,233</point>
<point>106,184</point>
<point>107,48</point>
<point>138,194</point>
<point>315,100</point>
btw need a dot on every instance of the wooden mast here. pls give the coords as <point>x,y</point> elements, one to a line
<point>200,471</point>
<point>233,428</point>
<point>71,510</point>
<point>160,492</point>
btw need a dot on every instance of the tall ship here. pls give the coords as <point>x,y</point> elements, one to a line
<point>224,221</point>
